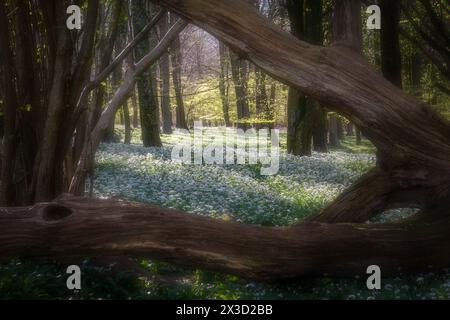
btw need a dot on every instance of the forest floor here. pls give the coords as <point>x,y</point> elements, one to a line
<point>302,186</point>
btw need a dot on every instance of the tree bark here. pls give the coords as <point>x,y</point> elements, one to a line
<point>127,123</point>
<point>333,130</point>
<point>135,109</point>
<point>295,100</point>
<point>146,84</point>
<point>261,100</point>
<point>80,227</point>
<point>175,56</point>
<point>239,69</point>
<point>391,58</point>
<point>9,108</point>
<point>358,137</point>
<point>320,131</point>
<point>306,23</point>
<point>164,72</point>
<point>224,83</point>
<point>45,163</point>
<point>340,129</point>
<point>347,31</point>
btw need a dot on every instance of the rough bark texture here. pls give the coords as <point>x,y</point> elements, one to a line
<point>146,83</point>
<point>9,107</point>
<point>118,228</point>
<point>239,68</point>
<point>164,73</point>
<point>175,58</point>
<point>45,162</point>
<point>295,98</point>
<point>261,99</point>
<point>333,124</point>
<point>347,31</point>
<point>306,118</point>
<point>391,59</point>
<point>320,141</point>
<point>224,83</point>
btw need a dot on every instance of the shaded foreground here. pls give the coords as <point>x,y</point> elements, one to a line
<point>72,226</point>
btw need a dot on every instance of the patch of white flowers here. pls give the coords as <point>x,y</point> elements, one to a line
<point>302,186</point>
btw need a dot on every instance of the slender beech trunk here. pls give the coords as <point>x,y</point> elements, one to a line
<point>9,109</point>
<point>146,83</point>
<point>295,11</point>
<point>333,136</point>
<point>126,122</point>
<point>175,58</point>
<point>134,105</point>
<point>347,31</point>
<point>391,61</point>
<point>224,83</point>
<point>310,119</point>
<point>239,69</point>
<point>164,72</point>
<point>261,100</point>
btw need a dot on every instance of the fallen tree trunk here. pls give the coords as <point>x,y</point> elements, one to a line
<point>72,226</point>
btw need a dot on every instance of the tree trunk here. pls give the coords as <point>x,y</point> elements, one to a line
<point>320,131</point>
<point>333,130</point>
<point>314,35</point>
<point>358,136</point>
<point>340,129</point>
<point>415,73</point>
<point>295,98</point>
<point>306,23</point>
<point>224,83</point>
<point>261,100</point>
<point>164,72</point>
<point>175,55</point>
<point>239,75</point>
<point>293,126</point>
<point>127,123</point>
<point>273,93</point>
<point>310,249</point>
<point>146,83</point>
<point>391,61</point>
<point>45,162</point>
<point>134,104</point>
<point>9,109</point>
<point>350,131</point>
<point>347,31</point>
